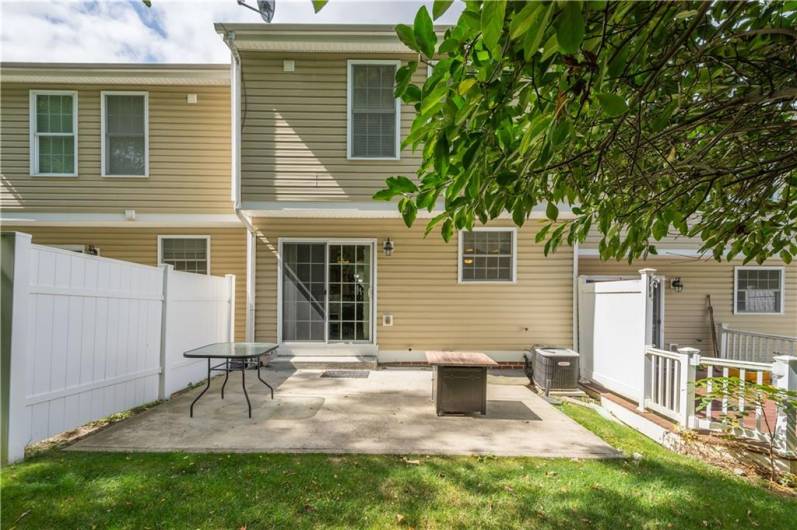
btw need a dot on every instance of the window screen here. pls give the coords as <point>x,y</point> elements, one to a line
<point>185,254</point>
<point>125,135</point>
<point>487,256</point>
<point>54,133</point>
<point>759,290</point>
<point>373,111</point>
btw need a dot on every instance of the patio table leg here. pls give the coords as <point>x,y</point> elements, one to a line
<point>243,385</point>
<point>226,376</point>
<point>264,381</point>
<point>203,391</point>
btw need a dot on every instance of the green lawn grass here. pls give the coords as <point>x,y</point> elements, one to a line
<point>61,489</point>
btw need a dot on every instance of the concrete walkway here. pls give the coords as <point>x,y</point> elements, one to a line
<point>389,412</point>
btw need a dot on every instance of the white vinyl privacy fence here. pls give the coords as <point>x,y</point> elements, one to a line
<point>86,336</point>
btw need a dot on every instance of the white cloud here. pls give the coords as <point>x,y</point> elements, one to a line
<point>172,31</point>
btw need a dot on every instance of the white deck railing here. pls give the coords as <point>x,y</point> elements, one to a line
<point>754,346</point>
<point>666,385</point>
<point>741,369</point>
<point>669,390</point>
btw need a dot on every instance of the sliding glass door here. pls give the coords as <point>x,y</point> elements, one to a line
<point>327,292</point>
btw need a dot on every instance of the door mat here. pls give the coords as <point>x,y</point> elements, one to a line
<point>346,374</point>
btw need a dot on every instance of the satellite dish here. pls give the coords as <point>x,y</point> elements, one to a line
<point>264,7</point>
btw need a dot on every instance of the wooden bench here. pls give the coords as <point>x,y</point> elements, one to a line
<point>459,385</point>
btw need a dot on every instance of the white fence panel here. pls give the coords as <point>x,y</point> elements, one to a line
<point>612,323</point>
<point>199,311</point>
<point>93,331</point>
<point>89,336</point>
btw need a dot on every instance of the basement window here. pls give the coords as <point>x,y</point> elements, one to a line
<point>185,253</point>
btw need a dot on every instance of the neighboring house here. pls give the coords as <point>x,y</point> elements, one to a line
<point>129,161</point>
<point>748,297</point>
<point>320,131</point>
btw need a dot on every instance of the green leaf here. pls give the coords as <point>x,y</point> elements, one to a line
<point>404,76</point>
<point>539,236</point>
<point>612,104</point>
<point>448,230</point>
<point>785,255</point>
<point>551,211</point>
<point>439,7</point>
<point>423,28</point>
<point>466,85</point>
<point>659,229</point>
<point>409,212</point>
<point>383,195</point>
<point>570,28</point>
<point>407,35</point>
<point>492,24</point>
<point>523,20</point>
<point>318,5</point>
<point>401,185</point>
<point>533,38</point>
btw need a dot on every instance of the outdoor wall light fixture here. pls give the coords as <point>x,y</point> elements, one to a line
<point>676,285</point>
<point>388,247</point>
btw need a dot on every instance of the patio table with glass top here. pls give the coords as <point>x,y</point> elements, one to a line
<point>235,354</point>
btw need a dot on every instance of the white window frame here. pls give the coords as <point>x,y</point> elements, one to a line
<point>161,237</point>
<point>146,130</point>
<point>349,95</point>
<point>34,135</point>
<point>460,244</point>
<point>736,270</point>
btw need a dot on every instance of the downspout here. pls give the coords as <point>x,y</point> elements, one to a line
<point>251,238</point>
<point>576,345</point>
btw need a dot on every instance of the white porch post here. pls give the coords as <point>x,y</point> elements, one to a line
<point>231,306</point>
<point>784,372</point>
<point>646,306</point>
<point>686,400</point>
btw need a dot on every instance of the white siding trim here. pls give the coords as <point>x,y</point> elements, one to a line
<point>760,268</point>
<point>349,64</point>
<point>173,236</point>
<point>33,141</point>
<point>460,242</point>
<point>102,130</point>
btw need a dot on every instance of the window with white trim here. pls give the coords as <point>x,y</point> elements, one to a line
<point>186,253</point>
<point>124,134</point>
<point>487,256</point>
<point>374,112</point>
<point>758,290</point>
<point>53,133</point>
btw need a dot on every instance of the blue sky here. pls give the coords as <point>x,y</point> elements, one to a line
<point>172,31</point>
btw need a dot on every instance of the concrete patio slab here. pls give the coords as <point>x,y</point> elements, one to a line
<point>389,412</point>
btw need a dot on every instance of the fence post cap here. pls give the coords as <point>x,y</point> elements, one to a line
<point>646,271</point>
<point>688,350</point>
<point>786,359</point>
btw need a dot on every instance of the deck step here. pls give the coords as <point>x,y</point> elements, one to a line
<point>324,362</point>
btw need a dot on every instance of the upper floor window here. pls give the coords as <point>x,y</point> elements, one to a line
<point>125,138</point>
<point>374,121</point>
<point>185,253</point>
<point>758,290</point>
<point>487,255</point>
<point>53,133</point>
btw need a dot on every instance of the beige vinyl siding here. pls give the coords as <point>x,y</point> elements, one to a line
<point>294,131</point>
<point>686,319</point>
<point>189,155</point>
<point>140,245</point>
<point>418,285</point>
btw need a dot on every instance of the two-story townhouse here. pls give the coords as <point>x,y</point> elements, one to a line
<point>316,130</point>
<point>129,161</point>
